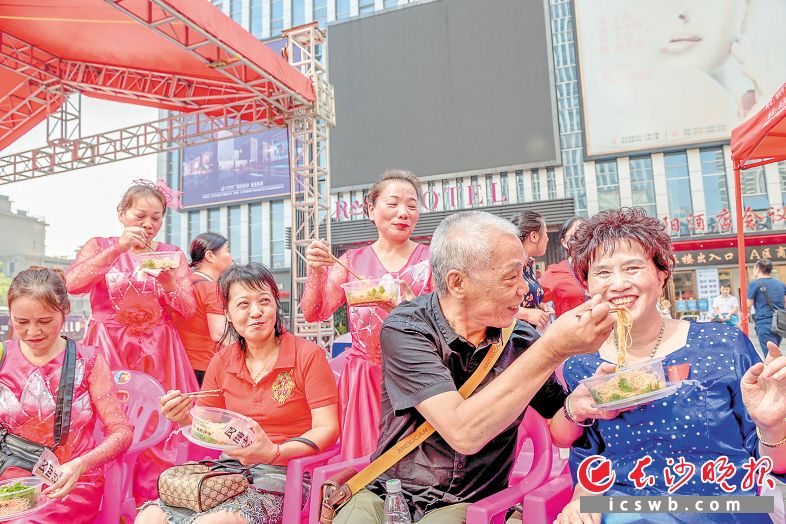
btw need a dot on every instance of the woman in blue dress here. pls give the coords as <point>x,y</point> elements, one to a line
<point>730,405</point>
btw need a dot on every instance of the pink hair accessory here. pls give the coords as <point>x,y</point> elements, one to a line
<point>171,196</point>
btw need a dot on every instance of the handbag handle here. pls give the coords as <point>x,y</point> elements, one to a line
<point>65,395</point>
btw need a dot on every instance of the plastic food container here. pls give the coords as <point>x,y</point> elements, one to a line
<point>630,382</point>
<point>19,495</point>
<point>221,427</point>
<point>373,292</point>
<point>158,260</point>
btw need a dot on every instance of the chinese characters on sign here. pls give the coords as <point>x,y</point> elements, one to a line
<point>699,224</point>
<point>728,256</point>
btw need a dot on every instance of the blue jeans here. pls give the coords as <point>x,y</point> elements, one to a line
<point>765,334</point>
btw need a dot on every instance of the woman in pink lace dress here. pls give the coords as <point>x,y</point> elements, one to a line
<point>29,381</point>
<point>132,310</point>
<point>393,207</point>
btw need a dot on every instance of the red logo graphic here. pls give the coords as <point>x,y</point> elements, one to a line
<point>595,474</point>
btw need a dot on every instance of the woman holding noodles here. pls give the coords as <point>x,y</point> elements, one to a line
<point>731,404</point>
<point>392,205</point>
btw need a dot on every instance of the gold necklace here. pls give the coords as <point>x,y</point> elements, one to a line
<point>260,374</point>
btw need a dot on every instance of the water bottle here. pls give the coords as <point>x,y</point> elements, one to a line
<point>396,509</point>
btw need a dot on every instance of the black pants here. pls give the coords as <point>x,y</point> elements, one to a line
<point>200,376</point>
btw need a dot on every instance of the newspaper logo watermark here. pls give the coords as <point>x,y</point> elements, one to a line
<point>677,504</point>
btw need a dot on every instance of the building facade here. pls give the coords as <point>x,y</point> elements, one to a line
<point>689,188</point>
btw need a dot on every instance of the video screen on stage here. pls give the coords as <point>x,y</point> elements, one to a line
<point>442,87</point>
<point>233,169</point>
<point>656,74</point>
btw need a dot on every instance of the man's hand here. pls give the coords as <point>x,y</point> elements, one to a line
<point>581,330</point>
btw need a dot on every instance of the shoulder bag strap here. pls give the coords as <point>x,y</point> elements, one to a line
<point>65,394</point>
<point>767,296</point>
<point>413,440</point>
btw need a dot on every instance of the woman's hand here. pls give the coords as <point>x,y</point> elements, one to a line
<point>318,255</point>
<point>570,515</point>
<point>167,280</point>
<point>176,407</point>
<point>132,238</point>
<point>580,400</point>
<point>261,451</point>
<point>547,308</point>
<point>763,389</point>
<point>535,316</point>
<point>69,475</point>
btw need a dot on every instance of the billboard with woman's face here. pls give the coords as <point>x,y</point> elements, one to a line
<point>660,73</point>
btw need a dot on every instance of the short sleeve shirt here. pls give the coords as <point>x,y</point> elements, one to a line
<point>422,356</point>
<point>194,330</point>
<point>281,402</point>
<point>775,290</point>
<point>725,305</point>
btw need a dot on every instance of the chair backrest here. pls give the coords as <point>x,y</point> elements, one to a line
<point>536,429</point>
<point>337,364</point>
<point>139,394</point>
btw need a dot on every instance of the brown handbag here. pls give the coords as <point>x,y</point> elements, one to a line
<point>339,488</point>
<point>201,486</point>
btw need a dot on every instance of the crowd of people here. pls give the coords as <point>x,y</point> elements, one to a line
<point>208,324</point>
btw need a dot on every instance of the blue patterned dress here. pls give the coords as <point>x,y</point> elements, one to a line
<point>534,295</point>
<point>702,420</point>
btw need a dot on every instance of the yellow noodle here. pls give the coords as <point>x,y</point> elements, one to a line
<point>624,338</point>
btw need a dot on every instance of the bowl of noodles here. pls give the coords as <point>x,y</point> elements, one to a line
<point>19,496</point>
<point>383,292</point>
<point>630,383</point>
<point>217,428</point>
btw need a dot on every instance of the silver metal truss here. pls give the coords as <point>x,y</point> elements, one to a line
<point>309,170</point>
<point>167,134</point>
<point>66,123</point>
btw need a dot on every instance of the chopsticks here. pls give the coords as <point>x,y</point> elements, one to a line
<point>611,310</point>
<point>203,394</point>
<point>340,263</point>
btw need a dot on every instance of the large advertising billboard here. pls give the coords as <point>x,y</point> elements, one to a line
<point>662,73</point>
<point>232,169</point>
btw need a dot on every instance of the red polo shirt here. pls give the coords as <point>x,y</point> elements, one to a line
<point>194,330</point>
<point>281,402</point>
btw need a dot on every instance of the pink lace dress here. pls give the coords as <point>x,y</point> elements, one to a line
<point>131,323</point>
<point>27,405</point>
<point>360,385</point>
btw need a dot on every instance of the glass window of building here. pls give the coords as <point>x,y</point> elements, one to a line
<point>642,185</point>
<point>390,3</point>
<point>233,221</point>
<point>236,10</point>
<point>754,197</point>
<point>277,259</point>
<point>365,7</point>
<point>214,220</point>
<point>782,172</point>
<point>608,181</point>
<point>320,12</point>
<point>276,17</point>
<point>218,3</point>
<point>678,189</point>
<point>254,233</point>
<point>474,195</point>
<point>488,198</point>
<point>459,193</point>
<point>519,185</point>
<point>342,9</point>
<point>193,225</point>
<point>535,176</point>
<point>255,18</point>
<point>298,12</point>
<point>503,186</point>
<point>551,182</point>
<point>716,195</point>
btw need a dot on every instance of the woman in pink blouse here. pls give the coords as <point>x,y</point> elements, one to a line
<point>392,205</point>
<point>29,381</point>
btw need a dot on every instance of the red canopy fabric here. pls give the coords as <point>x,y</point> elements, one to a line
<point>92,47</point>
<point>762,138</point>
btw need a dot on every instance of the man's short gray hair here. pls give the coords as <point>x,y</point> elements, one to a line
<point>461,242</point>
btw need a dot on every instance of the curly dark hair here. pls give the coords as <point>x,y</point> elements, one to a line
<point>601,234</point>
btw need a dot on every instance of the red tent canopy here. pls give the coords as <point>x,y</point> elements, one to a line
<point>180,55</point>
<point>757,141</point>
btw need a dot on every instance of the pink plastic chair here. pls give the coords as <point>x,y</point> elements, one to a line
<point>139,394</point>
<point>543,504</point>
<point>493,508</point>
<point>294,509</point>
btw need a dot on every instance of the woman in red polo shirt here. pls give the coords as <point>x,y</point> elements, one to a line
<point>201,331</point>
<point>560,284</point>
<point>281,381</point>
